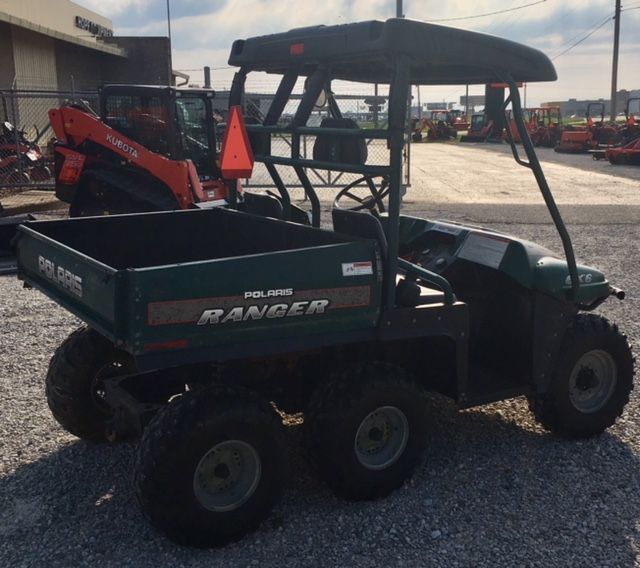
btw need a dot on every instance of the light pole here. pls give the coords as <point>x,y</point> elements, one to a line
<point>169,21</point>
<point>614,71</point>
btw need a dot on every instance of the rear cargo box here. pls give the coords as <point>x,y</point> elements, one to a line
<point>203,279</point>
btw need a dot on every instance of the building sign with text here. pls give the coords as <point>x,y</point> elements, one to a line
<point>92,27</point>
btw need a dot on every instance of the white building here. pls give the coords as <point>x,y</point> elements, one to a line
<point>57,44</point>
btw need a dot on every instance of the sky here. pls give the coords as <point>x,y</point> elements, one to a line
<point>203,31</point>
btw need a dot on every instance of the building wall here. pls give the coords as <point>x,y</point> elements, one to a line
<point>79,68</point>
<point>634,107</point>
<point>7,67</point>
<point>58,15</point>
<point>148,61</point>
<point>34,60</point>
<point>579,108</point>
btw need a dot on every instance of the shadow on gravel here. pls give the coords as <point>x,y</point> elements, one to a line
<point>493,491</point>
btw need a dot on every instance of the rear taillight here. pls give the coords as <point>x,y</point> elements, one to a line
<point>69,173</point>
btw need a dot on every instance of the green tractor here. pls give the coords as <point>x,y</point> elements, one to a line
<point>203,325</point>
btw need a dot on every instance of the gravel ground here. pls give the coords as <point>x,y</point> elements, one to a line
<point>494,490</point>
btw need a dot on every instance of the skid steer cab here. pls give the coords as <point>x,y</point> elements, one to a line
<point>150,148</point>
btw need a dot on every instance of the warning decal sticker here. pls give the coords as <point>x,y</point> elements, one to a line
<point>357,268</point>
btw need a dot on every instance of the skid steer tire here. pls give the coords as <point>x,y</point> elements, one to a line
<point>74,381</point>
<point>591,382</point>
<point>366,430</point>
<point>210,466</point>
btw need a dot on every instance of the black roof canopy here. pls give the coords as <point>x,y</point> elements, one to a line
<point>365,51</point>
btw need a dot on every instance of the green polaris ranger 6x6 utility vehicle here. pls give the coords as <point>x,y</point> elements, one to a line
<point>202,324</point>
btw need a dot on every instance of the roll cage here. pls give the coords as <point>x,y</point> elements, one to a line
<point>399,53</point>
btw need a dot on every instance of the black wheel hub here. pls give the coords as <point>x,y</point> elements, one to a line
<point>586,379</point>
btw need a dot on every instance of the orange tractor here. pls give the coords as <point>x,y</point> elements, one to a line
<point>631,129</point>
<point>481,129</point>
<point>628,152</point>
<point>456,119</point>
<point>595,134</point>
<point>544,125</point>
<point>437,129</point>
<point>151,148</point>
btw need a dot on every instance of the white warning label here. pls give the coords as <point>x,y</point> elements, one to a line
<point>484,249</point>
<point>357,268</point>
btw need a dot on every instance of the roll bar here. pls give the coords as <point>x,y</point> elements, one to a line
<point>534,165</point>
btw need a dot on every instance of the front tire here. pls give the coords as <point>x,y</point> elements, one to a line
<point>210,466</point>
<point>366,430</point>
<point>592,380</point>
<point>74,383</point>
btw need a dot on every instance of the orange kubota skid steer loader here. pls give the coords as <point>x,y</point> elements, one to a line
<point>151,148</point>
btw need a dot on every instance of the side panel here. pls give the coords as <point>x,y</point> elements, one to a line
<point>83,286</point>
<point>232,301</point>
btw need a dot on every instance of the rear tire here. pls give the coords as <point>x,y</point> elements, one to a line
<point>210,466</point>
<point>592,380</point>
<point>74,382</point>
<point>366,430</point>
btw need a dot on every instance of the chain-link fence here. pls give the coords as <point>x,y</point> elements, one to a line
<point>26,156</point>
<point>26,153</point>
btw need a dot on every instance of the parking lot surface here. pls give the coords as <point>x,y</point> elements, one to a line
<point>494,490</point>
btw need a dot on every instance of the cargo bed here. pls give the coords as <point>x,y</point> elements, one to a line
<point>204,279</point>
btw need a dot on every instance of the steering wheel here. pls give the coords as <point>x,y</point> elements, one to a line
<point>373,200</point>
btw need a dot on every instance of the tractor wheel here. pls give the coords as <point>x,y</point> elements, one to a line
<point>75,380</point>
<point>591,382</point>
<point>210,466</point>
<point>366,430</point>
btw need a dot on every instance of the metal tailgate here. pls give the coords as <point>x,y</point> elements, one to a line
<point>84,286</point>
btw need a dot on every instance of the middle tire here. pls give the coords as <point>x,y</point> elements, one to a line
<point>210,466</point>
<point>366,430</point>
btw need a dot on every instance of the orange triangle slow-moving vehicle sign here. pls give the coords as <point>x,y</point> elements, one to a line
<point>237,156</point>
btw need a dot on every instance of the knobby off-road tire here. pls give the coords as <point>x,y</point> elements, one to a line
<point>74,382</point>
<point>366,430</point>
<point>210,466</point>
<point>592,380</point>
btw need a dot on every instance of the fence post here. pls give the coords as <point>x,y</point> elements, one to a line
<point>14,121</point>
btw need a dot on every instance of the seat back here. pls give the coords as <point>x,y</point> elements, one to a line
<point>360,224</point>
<point>340,149</point>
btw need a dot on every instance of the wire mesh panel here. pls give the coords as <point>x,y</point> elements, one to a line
<point>364,111</point>
<point>26,153</point>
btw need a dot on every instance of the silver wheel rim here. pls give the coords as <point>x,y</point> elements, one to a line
<point>592,381</point>
<point>227,476</point>
<point>381,438</point>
